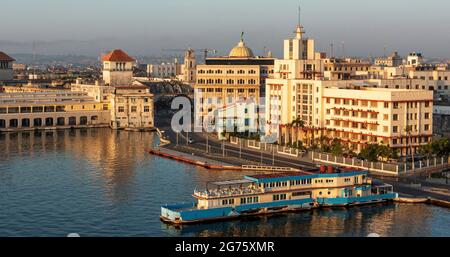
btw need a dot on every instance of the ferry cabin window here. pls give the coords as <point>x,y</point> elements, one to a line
<point>294,194</point>
<point>243,200</point>
<point>279,197</point>
<point>227,201</point>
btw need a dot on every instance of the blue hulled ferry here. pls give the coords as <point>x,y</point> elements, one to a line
<point>273,193</point>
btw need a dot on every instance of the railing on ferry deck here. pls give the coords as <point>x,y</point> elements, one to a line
<point>227,192</point>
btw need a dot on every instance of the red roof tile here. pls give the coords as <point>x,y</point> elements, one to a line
<point>117,56</point>
<point>5,57</point>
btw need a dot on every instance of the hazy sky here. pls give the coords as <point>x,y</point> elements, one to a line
<point>144,27</point>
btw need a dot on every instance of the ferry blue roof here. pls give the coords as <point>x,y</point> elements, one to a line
<point>267,178</point>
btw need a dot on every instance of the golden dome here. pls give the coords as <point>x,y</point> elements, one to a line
<point>241,50</point>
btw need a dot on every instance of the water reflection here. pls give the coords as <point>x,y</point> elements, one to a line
<point>113,155</point>
<point>384,219</point>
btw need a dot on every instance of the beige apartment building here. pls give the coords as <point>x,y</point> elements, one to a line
<point>351,111</point>
<point>345,69</point>
<point>224,81</point>
<point>339,101</point>
<point>401,119</point>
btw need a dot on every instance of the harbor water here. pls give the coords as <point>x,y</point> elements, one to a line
<point>99,182</point>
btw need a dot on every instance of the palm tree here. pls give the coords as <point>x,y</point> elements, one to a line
<point>297,123</point>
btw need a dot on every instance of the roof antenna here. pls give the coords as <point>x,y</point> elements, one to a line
<point>299,13</point>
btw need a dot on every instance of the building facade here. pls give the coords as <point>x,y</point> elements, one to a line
<point>345,69</point>
<point>335,100</point>
<point>6,67</point>
<point>164,70</point>
<point>131,105</point>
<point>392,60</point>
<point>227,80</point>
<point>58,109</point>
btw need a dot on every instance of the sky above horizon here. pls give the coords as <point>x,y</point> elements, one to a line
<point>144,27</point>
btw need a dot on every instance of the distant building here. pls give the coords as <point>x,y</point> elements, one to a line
<point>392,60</point>
<point>345,69</point>
<point>6,67</point>
<point>414,59</point>
<point>164,70</point>
<point>189,68</point>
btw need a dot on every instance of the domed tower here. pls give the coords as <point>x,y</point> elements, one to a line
<point>190,66</point>
<point>241,50</point>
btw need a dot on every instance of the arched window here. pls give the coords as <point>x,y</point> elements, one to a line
<point>60,121</point>
<point>25,123</point>
<point>48,122</point>
<point>72,121</point>
<point>14,123</point>
<point>83,120</point>
<point>37,122</point>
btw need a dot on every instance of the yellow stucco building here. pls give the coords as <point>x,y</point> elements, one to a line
<point>223,81</point>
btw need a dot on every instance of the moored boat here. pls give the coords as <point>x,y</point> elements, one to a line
<point>275,193</point>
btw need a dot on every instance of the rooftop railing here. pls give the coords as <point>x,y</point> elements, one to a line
<point>217,193</point>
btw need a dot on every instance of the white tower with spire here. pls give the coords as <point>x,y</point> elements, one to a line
<point>299,48</point>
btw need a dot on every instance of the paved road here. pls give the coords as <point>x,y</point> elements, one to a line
<point>419,187</point>
<point>215,147</point>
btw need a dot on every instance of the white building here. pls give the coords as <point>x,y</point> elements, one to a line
<point>414,59</point>
<point>164,70</point>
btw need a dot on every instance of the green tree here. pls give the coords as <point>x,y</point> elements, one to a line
<point>370,153</point>
<point>336,148</point>
<point>426,150</point>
